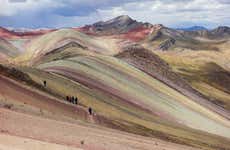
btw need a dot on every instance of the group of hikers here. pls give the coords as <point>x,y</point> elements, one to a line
<point>73,100</point>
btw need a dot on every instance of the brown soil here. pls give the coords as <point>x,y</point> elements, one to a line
<point>84,136</point>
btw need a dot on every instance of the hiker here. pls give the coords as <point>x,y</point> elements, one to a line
<point>90,111</point>
<point>76,100</point>
<point>72,100</point>
<point>67,98</point>
<point>44,82</point>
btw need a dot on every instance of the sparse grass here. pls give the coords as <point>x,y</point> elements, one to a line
<point>112,108</point>
<point>217,96</point>
<point>212,81</point>
<point>197,45</point>
<point>145,89</point>
<point>205,71</point>
<point>146,125</point>
<point>18,75</point>
<point>44,44</point>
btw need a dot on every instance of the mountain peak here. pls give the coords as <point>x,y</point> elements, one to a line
<point>120,24</point>
<point>158,26</point>
<point>120,21</point>
<point>123,18</point>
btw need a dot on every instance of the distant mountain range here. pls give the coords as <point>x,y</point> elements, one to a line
<point>15,33</point>
<point>130,29</point>
<point>193,28</point>
<point>120,25</point>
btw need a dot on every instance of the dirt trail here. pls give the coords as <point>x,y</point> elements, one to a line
<point>9,142</point>
<point>75,135</point>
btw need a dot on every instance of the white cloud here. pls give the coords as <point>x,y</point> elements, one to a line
<point>173,13</point>
<point>73,21</point>
<point>10,8</point>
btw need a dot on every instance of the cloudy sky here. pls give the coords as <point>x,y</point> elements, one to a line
<point>69,13</point>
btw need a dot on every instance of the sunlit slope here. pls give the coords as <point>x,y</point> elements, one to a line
<point>208,72</point>
<point>47,43</point>
<point>156,67</point>
<point>7,50</point>
<point>201,59</point>
<point>124,81</point>
<point>69,50</point>
<point>110,111</point>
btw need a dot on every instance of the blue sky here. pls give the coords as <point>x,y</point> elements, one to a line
<point>72,13</point>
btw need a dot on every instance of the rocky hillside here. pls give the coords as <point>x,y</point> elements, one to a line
<point>118,25</point>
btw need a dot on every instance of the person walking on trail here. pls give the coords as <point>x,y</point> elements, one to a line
<point>72,99</point>
<point>67,98</point>
<point>90,110</point>
<point>44,82</point>
<point>76,100</point>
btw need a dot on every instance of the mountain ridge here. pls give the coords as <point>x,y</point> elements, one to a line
<point>120,25</point>
<point>192,28</point>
